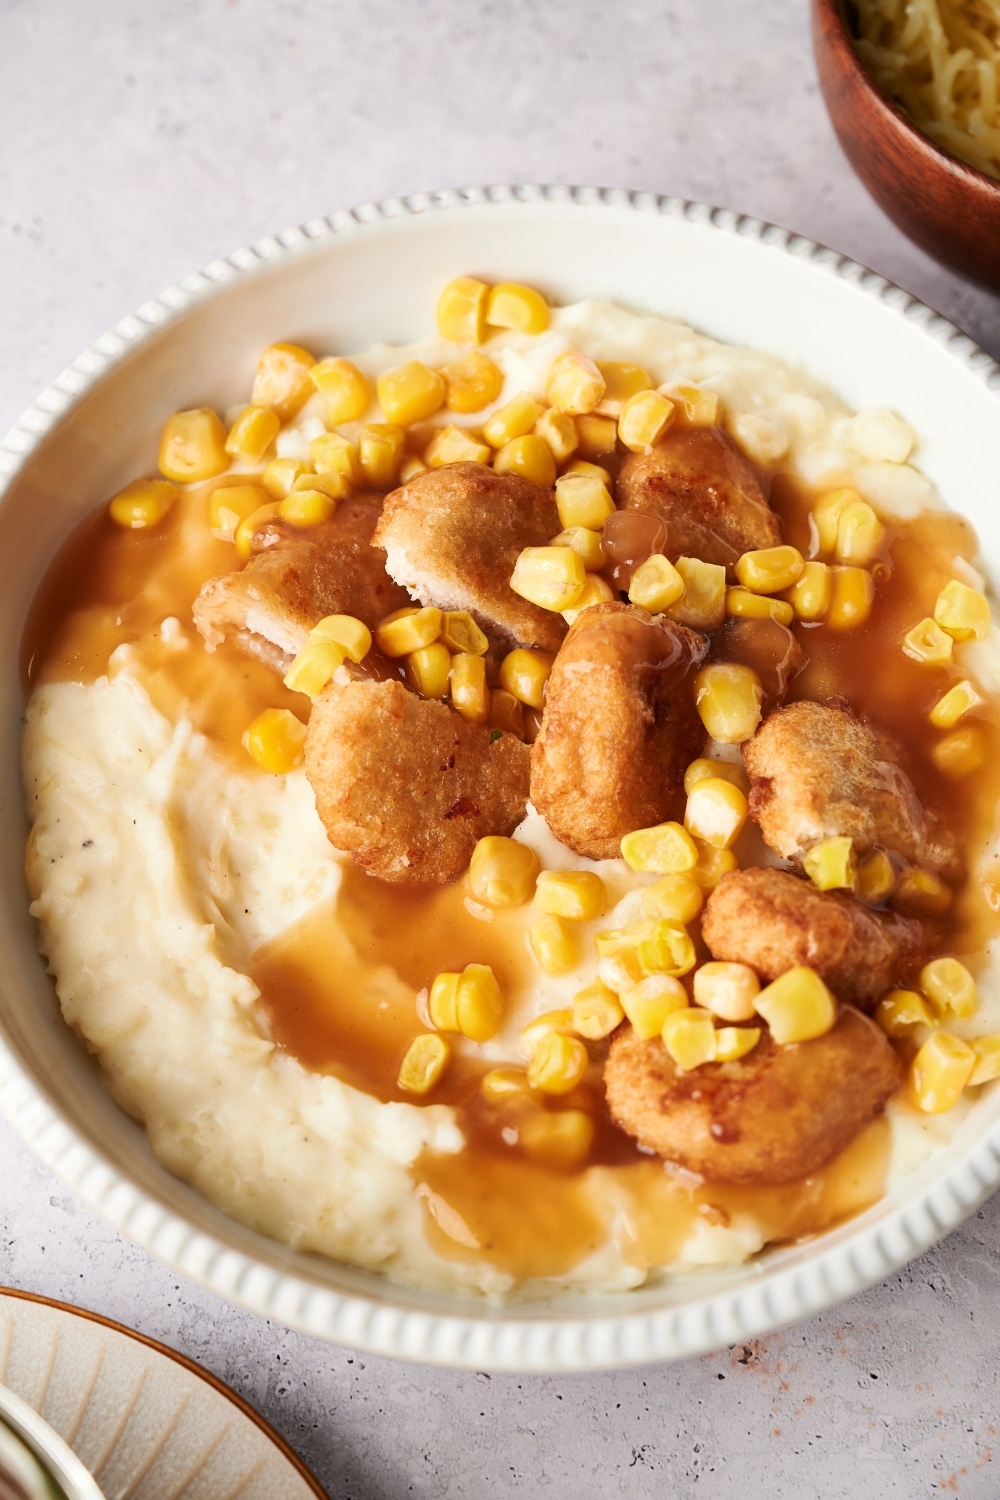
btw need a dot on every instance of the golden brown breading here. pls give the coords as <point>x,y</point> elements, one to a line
<point>453,535</point>
<point>294,578</point>
<point>704,491</point>
<point>773,920</point>
<point>774,1115</point>
<point>618,729</point>
<point>405,785</point>
<point>816,771</point>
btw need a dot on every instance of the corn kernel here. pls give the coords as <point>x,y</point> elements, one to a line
<point>677,897</point>
<point>530,457</point>
<point>503,871</point>
<point>253,432</point>
<point>648,1003</point>
<point>666,849</point>
<point>479,1004</point>
<point>797,1006</point>
<point>826,516</point>
<point>282,379</point>
<point>410,393</point>
<point>597,436</point>
<point>524,673</point>
<point>511,305</point>
<point>702,605</point>
<point>506,713</point>
<point>963,612</point>
<point>920,891</point>
<point>621,380</point>
<point>551,1020</point>
<point>442,1001</point>
<point>768,570</point>
<point>428,670</point>
<point>345,390</point>
<point>334,486</point>
<point>596,471</point>
<point>551,945</point>
<point>228,506</point>
<point>505,1086</point>
<point>351,634</point>
<point>551,577</point>
<point>306,508</point>
<point>250,525</point>
<point>928,643</point>
<point>276,741</point>
<point>689,1037</point>
<point>810,596</point>
<point>471,383</point>
<point>716,811</point>
<point>380,453</point>
<point>742,603</point>
<point>728,698</point>
<point>615,940</point>
<point>622,971</point>
<point>728,990</point>
<point>852,593</point>
<point>704,767</point>
<point>667,950</point>
<point>514,420</point>
<point>312,669</point>
<point>455,445</point>
<point>280,474</point>
<point>694,407</point>
<point>961,752</point>
<point>425,1060</point>
<point>597,1011</point>
<point>575,384</point>
<point>558,430</point>
<point>830,864</point>
<point>460,632</point>
<point>193,446</point>
<point>950,986</point>
<point>143,503</point>
<point>900,1011</point>
<point>585,542</point>
<point>561,1138</point>
<point>656,584</point>
<point>987,1067</point>
<point>876,879</point>
<point>595,591</point>
<point>461,311</point>
<point>470,695</point>
<point>734,1042</point>
<point>579,895</point>
<point>410,468</point>
<point>557,1064</point>
<point>644,419</point>
<point>331,453</point>
<point>939,1072</point>
<point>408,630</point>
<point>860,534</point>
<point>712,864</point>
<point>954,705</point>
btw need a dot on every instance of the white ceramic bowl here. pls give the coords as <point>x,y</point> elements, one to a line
<point>338,284</point>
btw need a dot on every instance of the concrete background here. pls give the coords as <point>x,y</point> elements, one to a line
<point>137,141</point>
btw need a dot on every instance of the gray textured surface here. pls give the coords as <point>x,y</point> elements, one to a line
<point>137,142</point>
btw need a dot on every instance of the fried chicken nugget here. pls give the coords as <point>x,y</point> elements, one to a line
<point>453,535</point>
<point>816,771</point>
<point>618,729</point>
<point>773,921</point>
<point>704,491</point>
<point>405,785</point>
<point>774,1115</point>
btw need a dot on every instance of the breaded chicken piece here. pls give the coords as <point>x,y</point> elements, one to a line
<point>452,537</point>
<point>816,771</point>
<point>773,920</point>
<point>405,785</point>
<point>704,491</point>
<point>774,1115</point>
<point>294,578</point>
<point>618,728</point>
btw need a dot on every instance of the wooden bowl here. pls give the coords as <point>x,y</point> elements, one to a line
<point>947,207</point>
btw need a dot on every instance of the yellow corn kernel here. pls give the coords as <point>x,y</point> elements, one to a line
<point>282,379</point>
<point>511,305</point>
<point>621,380</point>
<point>830,864</point>
<point>920,891</point>
<point>954,705</point>
<point>860,534</point>
<point>253,432</point>
<point>460,632</point>
<point>456,445</point>
<point>950,987</point>
<point>331,453</point>
<point>728,990</point>
<point>676,897</point>
<point>428,670</point>
<point>506,713</point>
<point>530,457</point>
<point>144,503</point>
<point>716,811</point>
<point>442,1001</point>
<point>558,430</point>
<point>963,612</point>
<point>471,383</point>
<point>304,508</point>
<point>704,767</point>
<point>694,407</point>
<point>928,643</point>
<point>597,436</point>
<point>250,525</point>
<point>749,606</point>
<point>712,865</point>
<point>768,570</point>
<point>667,950</point>
<point>551,1020</point>
<point>409,629</point>
<point>666,849</point>
<point>514,420</point>
<point>595,591</point>
<point>656,584</point>
<point>561,1138</point>
<point>276,741</point>
<point>900,1011</point>
<point>876,878</point>
<point>615,940</point>
<point>557,1064</point>
<point>810,596</point>
<point>575,384</point>
<point>551,577</point>
<point>648,1003</point>
<point>643,420</point>
<point>479,1004</point>
<point>961,752</point>
<point>939,1072</point>
<point>583,500</point>
<point>228,506</point>
<point>461,310</point>
<point>280,474</point>
<point>797,1006</point>
<point>380,453</point>
<point>621,972</point>
<point>470,695</point>
<point>410,468</point>
<point>728,698</point>
<point>852,594</point>
<point>502,872</point>
<point>350,634</point>
<point>313,667</point>
<point>345,390</point>
<point>585,542</point>
<point>193,446</point>
<point>826,516</point>
<point>425,1060</point>
<point>579,895</point>
<point>334,486</point>
<point>551,945</point>
<point>597,1011</point>
<point>505,1086</point>
<point>689,1037</point>
<point>987,1067</point>
<point>410,393</point>
<point>702,605</point>
<point>734,1042</point>
<point>524,673</point>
